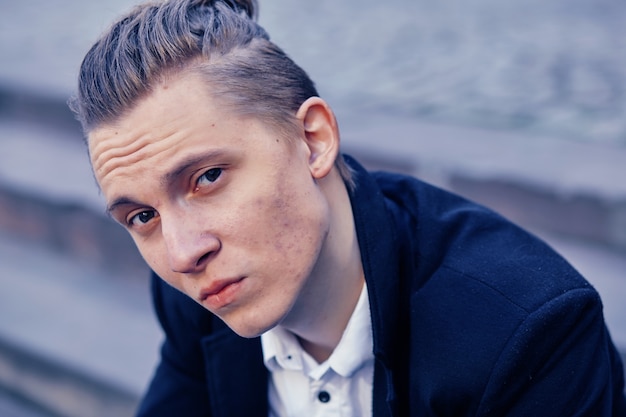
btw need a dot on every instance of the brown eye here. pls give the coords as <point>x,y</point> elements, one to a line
<point>210,176</point>
<point>142,218</point>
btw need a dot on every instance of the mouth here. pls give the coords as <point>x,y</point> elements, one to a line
<point>220,293</point>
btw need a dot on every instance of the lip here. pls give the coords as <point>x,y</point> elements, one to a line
<point>220,293</point>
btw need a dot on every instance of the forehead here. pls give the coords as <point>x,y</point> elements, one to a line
<point>187,91</point>
<point>176,106</point>
<point>177,118</point>
<point>171,95</point>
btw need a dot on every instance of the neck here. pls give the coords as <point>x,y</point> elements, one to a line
<point>318,352</point>
<point>326,304</point>
<point>321,340</point>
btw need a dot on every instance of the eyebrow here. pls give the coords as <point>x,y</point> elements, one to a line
<point>186,163</point>
<point>172,176</point>
<point>121,201</point>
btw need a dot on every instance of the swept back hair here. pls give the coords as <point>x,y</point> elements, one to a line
<point>219,39</point>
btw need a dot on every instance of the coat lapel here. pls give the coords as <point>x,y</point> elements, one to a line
<point>380,254</point>
<point>236,375</point>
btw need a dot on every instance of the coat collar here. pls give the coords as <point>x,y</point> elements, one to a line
<point>381,251</point>
<point>378,244</point>
<point>237,379</point>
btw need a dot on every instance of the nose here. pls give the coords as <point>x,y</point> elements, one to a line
<point>189,248</point>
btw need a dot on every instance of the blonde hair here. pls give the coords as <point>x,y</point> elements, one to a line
<point>219,39</point>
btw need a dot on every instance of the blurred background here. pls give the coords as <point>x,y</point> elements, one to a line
<point>519,104</point>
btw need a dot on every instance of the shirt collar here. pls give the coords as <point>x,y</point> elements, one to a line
<point>281,349</point>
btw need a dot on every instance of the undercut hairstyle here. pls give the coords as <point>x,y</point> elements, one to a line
<point>218,39</point>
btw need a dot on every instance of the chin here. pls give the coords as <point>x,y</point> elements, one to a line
<point>250,330</point>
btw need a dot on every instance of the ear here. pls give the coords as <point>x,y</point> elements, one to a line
<point>321,135</point>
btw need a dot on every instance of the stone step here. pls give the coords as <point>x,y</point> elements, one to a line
<point>75,339</point>
<point>12,405</point>
<point>574,189</point>
<point>49,387</point>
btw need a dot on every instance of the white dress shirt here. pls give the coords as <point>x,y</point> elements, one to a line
<point>340,386</point>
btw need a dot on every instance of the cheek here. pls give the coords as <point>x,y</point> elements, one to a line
<point>156,258</point>
<point>296,230</point>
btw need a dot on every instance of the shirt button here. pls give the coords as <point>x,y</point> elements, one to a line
<point>323,396</point>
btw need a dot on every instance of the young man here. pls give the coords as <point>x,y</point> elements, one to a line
<point>291,282</point>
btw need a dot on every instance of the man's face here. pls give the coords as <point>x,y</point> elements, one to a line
<point>221,207</point>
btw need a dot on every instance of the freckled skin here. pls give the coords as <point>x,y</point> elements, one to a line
<point>269,217</point>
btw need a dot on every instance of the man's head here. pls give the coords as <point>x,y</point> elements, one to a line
<point>212,149</point>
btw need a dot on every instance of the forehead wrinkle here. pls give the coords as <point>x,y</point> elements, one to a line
<point>117,155</point>
<point>114,156</point>
<point>124,143</point>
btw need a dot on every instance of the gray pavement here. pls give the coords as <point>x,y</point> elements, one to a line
<point>11,406</point>
<point>77,313</point>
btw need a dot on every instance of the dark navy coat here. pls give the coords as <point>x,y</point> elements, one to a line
<point>471,316</point>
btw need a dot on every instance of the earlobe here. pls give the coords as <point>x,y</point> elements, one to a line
<point>321,135</point>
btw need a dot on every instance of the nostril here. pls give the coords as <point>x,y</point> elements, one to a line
<point>210,249</point>
<point>202,259</point>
